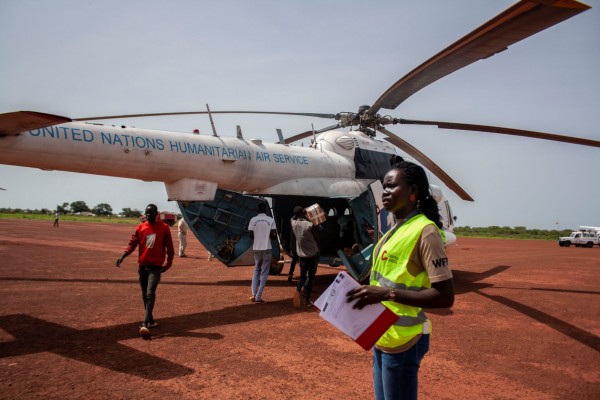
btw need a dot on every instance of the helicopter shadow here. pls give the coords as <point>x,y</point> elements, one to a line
<point>471,282</point>
<point>102,347</point>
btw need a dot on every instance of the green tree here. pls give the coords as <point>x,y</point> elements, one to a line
<point>63,209</point>
<point>129,213</point>
<point>102,209</point>
<point>79,206</point>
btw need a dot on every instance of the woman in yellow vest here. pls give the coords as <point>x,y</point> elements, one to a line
<point>410,272</point>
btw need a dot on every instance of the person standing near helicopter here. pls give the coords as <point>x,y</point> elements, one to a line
<point>410,271</point>
<point>262,230</point>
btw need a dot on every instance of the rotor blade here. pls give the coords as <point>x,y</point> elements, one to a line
<point>427,163</point>
<point>306,134</point>
<point>317,115</point>
<point>516,23</point>
<point>504,131</point>
<point>13,123</point>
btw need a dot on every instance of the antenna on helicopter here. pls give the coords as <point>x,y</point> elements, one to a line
<point>314,139</point>
<point>239,132</point>
<point>280,135</point>
<point>211,121</point>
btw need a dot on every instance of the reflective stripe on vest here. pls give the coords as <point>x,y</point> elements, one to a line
<point>390,271</point>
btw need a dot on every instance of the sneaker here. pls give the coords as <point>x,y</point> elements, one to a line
<point>289,278</point>
<point>261,301</point>
<point>183,256</point>
<point>152,325</point>
<point>144,332</point>
<point>308,303</point>
<point>252,298</point>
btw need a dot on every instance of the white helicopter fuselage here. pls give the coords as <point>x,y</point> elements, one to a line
<point>245,165</point>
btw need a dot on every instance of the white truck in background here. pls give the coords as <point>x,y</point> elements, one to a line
<point>586,236</point>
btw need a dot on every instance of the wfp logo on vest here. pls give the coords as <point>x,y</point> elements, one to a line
<point>440,262</point>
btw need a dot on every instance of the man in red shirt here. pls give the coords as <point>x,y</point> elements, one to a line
<point>155,244</point>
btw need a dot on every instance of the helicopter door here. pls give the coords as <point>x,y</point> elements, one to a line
<point>221,225</point>
<point>371,219</point>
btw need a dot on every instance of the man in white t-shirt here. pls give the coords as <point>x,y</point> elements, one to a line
<point>262,230</point>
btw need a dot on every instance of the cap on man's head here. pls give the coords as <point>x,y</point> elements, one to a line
<point>298,211</point>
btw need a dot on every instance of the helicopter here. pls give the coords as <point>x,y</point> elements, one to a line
<point>230,176</point>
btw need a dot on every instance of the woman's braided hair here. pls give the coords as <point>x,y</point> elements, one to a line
<point>426,204</point>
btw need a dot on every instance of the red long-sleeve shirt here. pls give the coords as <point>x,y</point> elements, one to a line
<point>155,244</point>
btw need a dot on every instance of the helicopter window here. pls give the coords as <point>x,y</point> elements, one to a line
<point>451,218</point>
<point>332,213</point>
<point>230,219</point>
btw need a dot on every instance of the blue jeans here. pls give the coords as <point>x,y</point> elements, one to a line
<point>395,376</point>
<point>308,270</point>
<point>149,279</point>
<point>262,265</point>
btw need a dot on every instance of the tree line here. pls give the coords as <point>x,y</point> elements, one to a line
<point>517,232</point>
<point>104,209</point>
<point>78,207</point>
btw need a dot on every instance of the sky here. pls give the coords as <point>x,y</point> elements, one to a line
<point>91,58</point>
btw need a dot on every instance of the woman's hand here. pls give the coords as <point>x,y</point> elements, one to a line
<point>367,294</point>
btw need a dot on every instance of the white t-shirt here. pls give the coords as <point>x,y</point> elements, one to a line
<point>262,225</point>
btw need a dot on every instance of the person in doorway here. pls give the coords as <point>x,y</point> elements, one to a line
<point>182,229</point>
<point>262,230</point>
<point>307,248</point>
<point>410,272</point>
<point>153,237</point>
<point>293,252</point>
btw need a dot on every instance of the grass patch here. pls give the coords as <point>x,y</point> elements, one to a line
<point>71,218</point>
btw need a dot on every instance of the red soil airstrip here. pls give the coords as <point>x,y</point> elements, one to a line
<point>525,325</point>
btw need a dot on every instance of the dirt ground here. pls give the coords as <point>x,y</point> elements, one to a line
<point>525,325</point>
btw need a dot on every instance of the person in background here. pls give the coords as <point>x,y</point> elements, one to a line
<point>262,230</point>
<point>307,248</point>
<point>182,229</point>
<point>410,272</point>
<point>293,252</point>
<point>56,215</point>
<point>153,237</point>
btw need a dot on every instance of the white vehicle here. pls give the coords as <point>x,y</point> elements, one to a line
<point>586,236</point>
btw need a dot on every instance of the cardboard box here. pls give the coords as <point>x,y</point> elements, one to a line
<point>316,215</point>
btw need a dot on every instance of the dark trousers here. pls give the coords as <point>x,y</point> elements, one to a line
<point>149,279</point>
<point>293,265</point>
<point>308,270</point>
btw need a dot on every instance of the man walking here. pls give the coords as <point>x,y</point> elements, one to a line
<point>262,230</point>
<point>307,248</point>
<point>182,229</point>
<point>155,244</point>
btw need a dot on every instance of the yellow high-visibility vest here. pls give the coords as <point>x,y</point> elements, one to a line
<point>389,270</point>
